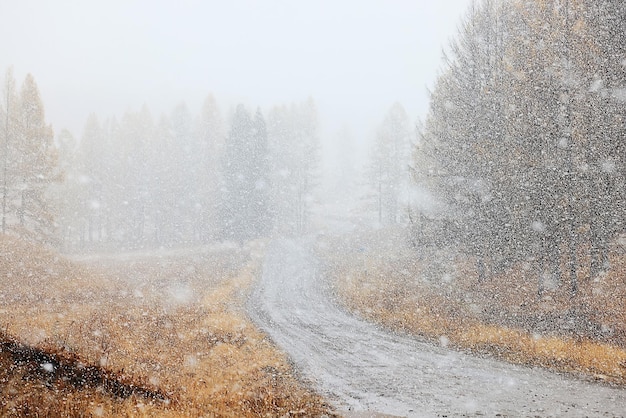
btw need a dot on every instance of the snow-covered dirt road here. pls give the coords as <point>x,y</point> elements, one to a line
<point>360,367</point>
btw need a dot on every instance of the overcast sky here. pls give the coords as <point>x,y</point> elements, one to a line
<point>355,58</point>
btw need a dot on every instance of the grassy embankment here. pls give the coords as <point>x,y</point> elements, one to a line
<point>151,336</point>
<point>505,317</point>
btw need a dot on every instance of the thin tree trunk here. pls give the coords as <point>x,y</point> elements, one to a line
<point>5,184</point>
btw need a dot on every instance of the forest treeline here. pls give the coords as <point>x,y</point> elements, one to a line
<point>186,179</point>
<point>524,143</point>
<point>138,182</point>
<point>180,179</point>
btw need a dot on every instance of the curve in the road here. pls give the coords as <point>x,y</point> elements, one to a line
<point>363,368</point>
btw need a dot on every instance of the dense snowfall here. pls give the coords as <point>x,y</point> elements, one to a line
<point>506,203</point>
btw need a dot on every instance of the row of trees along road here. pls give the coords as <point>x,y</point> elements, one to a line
<point>524,141</point>
<point>183,179</point>
<point>28,162</point>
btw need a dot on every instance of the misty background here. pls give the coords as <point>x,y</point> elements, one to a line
<point>355,59</point>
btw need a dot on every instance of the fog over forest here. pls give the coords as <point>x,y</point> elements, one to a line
<point>164,62</point>
<point>212,178</point>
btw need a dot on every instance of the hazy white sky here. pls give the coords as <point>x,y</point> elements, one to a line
<point>355,58</point>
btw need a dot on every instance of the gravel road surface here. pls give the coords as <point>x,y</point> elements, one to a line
<point>365,370</point>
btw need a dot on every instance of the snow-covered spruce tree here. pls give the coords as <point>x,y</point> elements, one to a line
<point>63,192</point>
<point>165,179</point>
<point>260,209</point>
<point>88,182</point>
<point>186,169</point>
<point>244,210</point>
<point>210,136</point>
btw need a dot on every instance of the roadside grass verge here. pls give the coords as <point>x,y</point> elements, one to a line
<point>499,318</point>
<point>139,336</point>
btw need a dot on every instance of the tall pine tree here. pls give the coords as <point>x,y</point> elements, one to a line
<point>244,202</point>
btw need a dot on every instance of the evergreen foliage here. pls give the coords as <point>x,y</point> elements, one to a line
<point>182,180</point>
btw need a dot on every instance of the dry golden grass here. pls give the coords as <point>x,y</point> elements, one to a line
<point>173,325</point>
<point>388,289</point>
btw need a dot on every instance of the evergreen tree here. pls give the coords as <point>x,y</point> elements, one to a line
<point>260,215</point>
<point>91,180</point>
<point>210,136</point>
<point>244,208</point>
<point>66,191</point>
<point>166,179</point>
<point>390,163</point>
<point>186,171</point>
